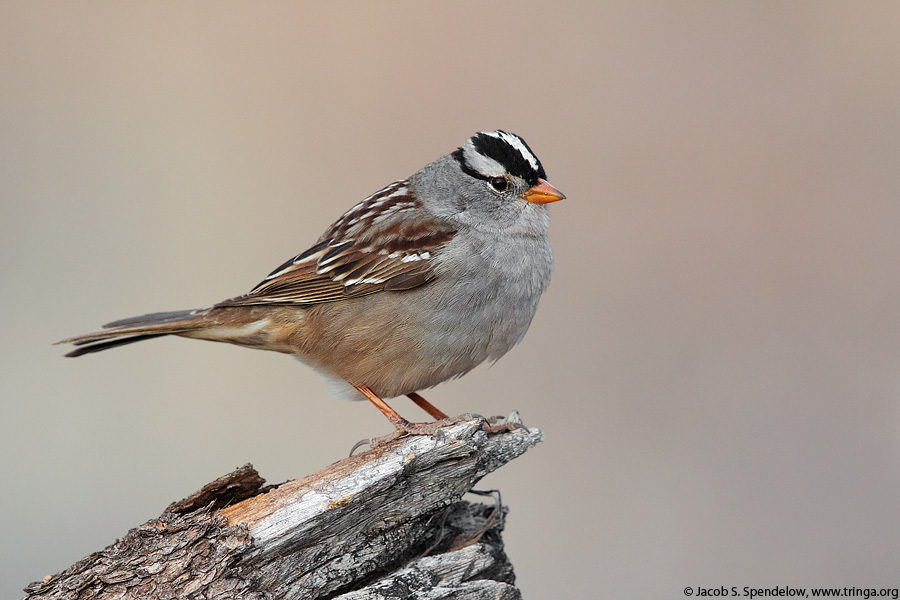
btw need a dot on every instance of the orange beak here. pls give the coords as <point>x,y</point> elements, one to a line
<point>542,193</point>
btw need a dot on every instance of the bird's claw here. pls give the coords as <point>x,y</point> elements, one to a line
<point>491,425</point>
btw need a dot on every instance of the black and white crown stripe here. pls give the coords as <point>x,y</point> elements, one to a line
<point>376,247</point>
<point>490,154</point>
<point>517,143</point>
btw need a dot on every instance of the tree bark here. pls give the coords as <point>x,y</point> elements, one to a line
<point>387,523</point>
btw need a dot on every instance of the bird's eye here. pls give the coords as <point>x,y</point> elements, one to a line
<point>500,184</point>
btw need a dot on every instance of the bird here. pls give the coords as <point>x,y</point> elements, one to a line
<point>419,283</point>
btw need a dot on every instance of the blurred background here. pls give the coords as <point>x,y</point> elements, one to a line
<point>716,365</point>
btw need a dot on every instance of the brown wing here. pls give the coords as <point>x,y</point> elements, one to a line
<point>382,243</point>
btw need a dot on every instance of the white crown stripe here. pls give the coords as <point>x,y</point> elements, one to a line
<point>517,143</point>
<point>483,164</point>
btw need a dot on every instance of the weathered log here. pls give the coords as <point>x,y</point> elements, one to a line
<point>387,523</point>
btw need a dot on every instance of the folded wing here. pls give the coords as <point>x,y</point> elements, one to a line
<point>384,243</point>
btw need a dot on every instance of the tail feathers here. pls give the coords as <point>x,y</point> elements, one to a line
<point>153,319</point>
<point>136,329</point>
<point>89,347</point>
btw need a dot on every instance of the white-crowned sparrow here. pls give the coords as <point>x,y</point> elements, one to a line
<point>418,283</point>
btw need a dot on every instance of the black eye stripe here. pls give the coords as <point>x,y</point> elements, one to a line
<point>504,153</point>
<point>461,159</point>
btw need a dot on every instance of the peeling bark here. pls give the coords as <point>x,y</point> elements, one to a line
<point>387,523</point>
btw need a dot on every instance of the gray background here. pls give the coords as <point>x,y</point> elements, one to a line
<point>715,365</point>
